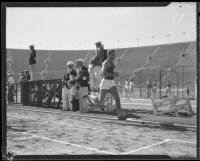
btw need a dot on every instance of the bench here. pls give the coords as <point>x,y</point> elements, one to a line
<point>174,103</point>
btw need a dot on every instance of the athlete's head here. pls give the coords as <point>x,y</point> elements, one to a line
<point>111,54</point>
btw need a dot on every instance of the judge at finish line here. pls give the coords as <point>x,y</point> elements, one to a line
<point>70,74</point>
<point>83,84</point>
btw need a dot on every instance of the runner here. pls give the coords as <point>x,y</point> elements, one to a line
<point>108,85</point>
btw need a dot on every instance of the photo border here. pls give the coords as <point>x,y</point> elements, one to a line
<point>79,4</point>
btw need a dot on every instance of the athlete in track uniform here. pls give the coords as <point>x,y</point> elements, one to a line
<point>108,84</point>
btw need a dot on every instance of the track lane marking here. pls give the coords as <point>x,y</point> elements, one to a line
<point>66,143</point>
<point>146,147</point>
<point>183,141</point>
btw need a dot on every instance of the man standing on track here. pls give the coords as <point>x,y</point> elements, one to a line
<point>70,74</point>
<point>11,88</point>
<point>108,84</point>
<point>83,84</point>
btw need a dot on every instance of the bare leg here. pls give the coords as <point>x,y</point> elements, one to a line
<point>114,93</point>
<point>102,96</point>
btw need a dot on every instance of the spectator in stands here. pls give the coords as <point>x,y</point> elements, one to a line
<point>83,84</point>
<point>32,61</point>
<point>126,87</point>
<point>131,88</point>
<point>96,64</point>
<point>11,87</point>
<point>168,89</point>
<point>70,74</point>
<point>149,87</point>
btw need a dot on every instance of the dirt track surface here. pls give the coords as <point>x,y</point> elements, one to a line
<point>36,133</point>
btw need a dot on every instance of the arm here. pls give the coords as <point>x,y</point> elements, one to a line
<point>64,79</point>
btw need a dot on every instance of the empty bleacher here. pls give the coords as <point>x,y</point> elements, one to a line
<point>166,55</point>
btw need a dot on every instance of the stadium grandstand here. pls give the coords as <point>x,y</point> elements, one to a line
<point>128,60</point>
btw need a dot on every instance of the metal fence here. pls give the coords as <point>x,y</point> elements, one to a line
<point>48,93</point>
<point>182,79</point>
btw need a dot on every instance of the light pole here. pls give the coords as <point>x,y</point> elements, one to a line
<point>137,41</point>
<point>184,33</point>
<point>118,43</point>
<point>152,39</point>
<point>168,38</point>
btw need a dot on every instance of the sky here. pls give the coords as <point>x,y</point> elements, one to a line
<point>75,28</point>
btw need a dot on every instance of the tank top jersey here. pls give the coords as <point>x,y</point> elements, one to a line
<point>111,71</point>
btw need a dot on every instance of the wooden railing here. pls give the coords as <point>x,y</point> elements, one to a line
<point>42,93</point>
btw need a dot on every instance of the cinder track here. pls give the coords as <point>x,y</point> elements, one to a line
<point>110,119</point>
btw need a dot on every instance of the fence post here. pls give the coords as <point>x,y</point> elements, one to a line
<point>40,93</point>
<point>183,82</point>
<point>177,84</point>
<point>160,80</point>
<point>16,93</point>
<point>140,85</point>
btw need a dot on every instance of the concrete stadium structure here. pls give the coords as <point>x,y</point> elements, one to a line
<point>129,59</point>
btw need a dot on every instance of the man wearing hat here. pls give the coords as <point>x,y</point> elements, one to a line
<point>32,61</point>
<point>27,76</point>
<point>10,83</point>
<point>70,74</point>
<point>96,64</point>
<point>83,84</point>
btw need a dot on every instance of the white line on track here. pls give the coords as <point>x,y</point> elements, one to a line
<point>67,143</point>
<point>183,141</point>
<point>24,138</point>
<point>146,147</point>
